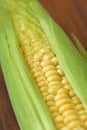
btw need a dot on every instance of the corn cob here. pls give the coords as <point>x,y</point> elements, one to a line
<point>41,59</point>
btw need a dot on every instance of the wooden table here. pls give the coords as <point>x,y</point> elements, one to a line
<point>72,16</point>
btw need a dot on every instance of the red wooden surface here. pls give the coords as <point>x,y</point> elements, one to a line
<point>72,16</point>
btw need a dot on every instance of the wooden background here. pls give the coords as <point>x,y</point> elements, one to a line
<point>72,16</point>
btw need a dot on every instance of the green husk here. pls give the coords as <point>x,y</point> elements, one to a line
<point>79,46</point>
<point>28,105</point>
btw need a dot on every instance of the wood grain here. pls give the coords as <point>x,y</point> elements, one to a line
<point>72,16</point>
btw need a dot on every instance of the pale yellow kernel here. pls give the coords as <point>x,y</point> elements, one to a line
<point>53,89</point>
<point>40,78</point>
<point>32,52</point>
<point>71,93</point>
<point>83,117</point>
<point>79,107</point>
<point>65,107</point>
<point>47,56</point>
<point>55,114</point>
<point>79,128</point>
<point>65,128</point>
<point>54,86</point>
<point>21,22</point>
<point>68,86</point>
<point>32,61</point>
<point>51,72</point>
<point>59,97</point>
<point>59,119</point>
<point>69,112</point>
<point>46,63</point>
<point>36,48</point>
<point>33,69</point>
<point>81,112</point>
<point>70,118</point>
<point>53,78</point>
<point>35,65</point>
<point>55,83</point>
<point>44,89</point>
<point>75,100</point>
<point>60,72</point>
<point>85,124</point>
<point>64,81</point>
<point>48,68</point>
<point>38,56</point>
<point>21,25</point>
<point>50,97</point>
<point>42,83</point>
<point>61,102</point>
<point>36,74</point>
<point>34,39</point>
<point>34,43</point>
<point>42,50</point>
<point>31,38</point>
<point>23,28</point>
<point>63,90</point>
<point>50,103</point>
<point>59,126</point>
<point>54,60</point>
<point>57,66</point>
<point>52,109</point>
<point>74,124</point>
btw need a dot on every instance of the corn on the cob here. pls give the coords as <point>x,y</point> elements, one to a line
<point>40,59</point>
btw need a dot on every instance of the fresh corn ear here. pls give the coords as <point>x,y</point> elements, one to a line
<point>46,76</point>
